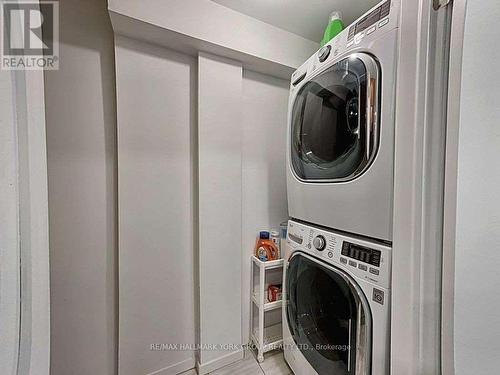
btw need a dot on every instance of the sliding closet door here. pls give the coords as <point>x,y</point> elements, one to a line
<point>156,109</point>
<point>219,140</point>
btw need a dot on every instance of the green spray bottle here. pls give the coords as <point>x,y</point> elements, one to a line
<point>335,26</point>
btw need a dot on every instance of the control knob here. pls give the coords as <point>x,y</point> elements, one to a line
<point>319,243</point>
<point>324,52</point>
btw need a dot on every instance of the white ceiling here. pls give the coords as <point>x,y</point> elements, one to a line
<point>307,18</point>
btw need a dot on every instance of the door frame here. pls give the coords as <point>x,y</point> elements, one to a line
<point>24,266</point>
<point>419,182</point>
<point>451,180</point>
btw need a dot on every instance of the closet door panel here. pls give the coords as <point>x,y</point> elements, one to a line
<point>156,109</point>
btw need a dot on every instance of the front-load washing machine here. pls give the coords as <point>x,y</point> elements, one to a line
<point>341,129</point>
<point>336,303</point>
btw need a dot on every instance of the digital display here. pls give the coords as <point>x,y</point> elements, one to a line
<point>295,238</point>
<point>361,253</point>
<point>370,19</point>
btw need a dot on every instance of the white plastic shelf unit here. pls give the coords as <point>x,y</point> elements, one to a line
<point>265,338</point>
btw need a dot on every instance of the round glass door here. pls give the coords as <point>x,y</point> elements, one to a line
<point>328,317</point>
<point>334,121</point>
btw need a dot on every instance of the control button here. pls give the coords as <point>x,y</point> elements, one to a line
<point>296,81</point>
<point>343,260</point>
<point>352,263</point>
<point>358,37</point>
<point>362,267</point>
<point>374,271</point>
<point>383,22</point>
<point>378,296</point>
<point>352,30</point>
<point>330,254</point>
<point>371,30</point>
<point>324,53</point>
<point>319,243</point>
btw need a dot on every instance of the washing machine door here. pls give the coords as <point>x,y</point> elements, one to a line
<point>334,127</point>
<point>328,316</point>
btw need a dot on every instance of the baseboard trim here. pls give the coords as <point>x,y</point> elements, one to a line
<point>217,363</point>
<point>175,369</point>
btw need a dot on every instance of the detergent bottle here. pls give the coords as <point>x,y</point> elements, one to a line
<point>335,26</point>
<point>265,249</point>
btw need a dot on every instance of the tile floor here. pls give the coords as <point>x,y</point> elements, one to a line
<point>274,364</point>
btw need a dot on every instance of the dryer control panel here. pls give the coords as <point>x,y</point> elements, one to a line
<point>356,37</point>
<point>370,21</point>
<point>368,260</point>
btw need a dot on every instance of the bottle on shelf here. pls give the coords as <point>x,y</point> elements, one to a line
<point>275,237</point>
<point>283,231</point>
<point>265,248</point>
<point>334,27</point>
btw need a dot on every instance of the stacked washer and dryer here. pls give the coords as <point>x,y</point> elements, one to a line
<point>340,162</point>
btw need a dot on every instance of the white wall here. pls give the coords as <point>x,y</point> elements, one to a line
<point>157,196</point>
<point>264,204</point>
<point>477,257</point>
<point>81,126</point>
<point>219,179</point>
<point>156,99</point>
<point>211,24</point>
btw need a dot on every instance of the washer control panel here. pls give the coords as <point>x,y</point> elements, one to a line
<point>361,253</point>
<point>365,259</point>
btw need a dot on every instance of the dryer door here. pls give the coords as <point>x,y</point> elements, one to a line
<point>334,131</point>
<point>328,317</point>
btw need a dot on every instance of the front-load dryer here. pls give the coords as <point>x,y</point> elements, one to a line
<point>340,141</point>
<point>336,303</point>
